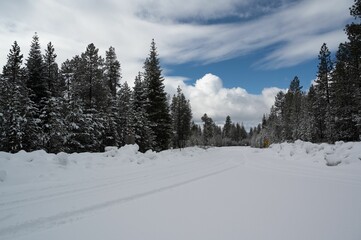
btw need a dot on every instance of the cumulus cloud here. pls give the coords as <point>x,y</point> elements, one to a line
<point>209,96</point>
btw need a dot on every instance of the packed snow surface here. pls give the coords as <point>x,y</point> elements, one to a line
<point>288,191</point>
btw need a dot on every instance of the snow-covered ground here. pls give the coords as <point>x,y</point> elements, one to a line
<point>289,191</point>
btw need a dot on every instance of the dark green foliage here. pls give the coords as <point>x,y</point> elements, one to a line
<point>323,90</point>
<point>91,88</point>
<point>157,108</point>
<point>53,113</point>
<point>345,105</point>
<point>208,130</point>
<point>112,78</point>
<point>143,133</point>
<point>125,116</point>
<point>36,82</point>
<point>112,71</point>
<point>181,119</point>
<point>19,130</point>
<point>51,72</point>
<point>227,127</point>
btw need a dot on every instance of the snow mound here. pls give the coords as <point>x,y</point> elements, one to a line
<point>110,151</point>
<point>61,158</point>
<point>329,154</point>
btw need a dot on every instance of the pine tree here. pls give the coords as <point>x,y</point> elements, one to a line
<point>112,71</point>
<point>282,113</point>
<point>88,100</point>
<point>353,32</point>
<point>142,131</point>
<point>19,130</point>
<point>295,121</point>
<point>345,105</point>
<point>157,109</point>
<point>51,72</point>
<point>208,130</point>
<point>323,82</point>
<point>53,114</point>
<point>307,127</point>
<point>82,130</point>
<point>227,127</point>
<point>125,115</point>
<point>92,88</point>
<point>181,119</point>
<point>196,135</point>
<point>36,76</point>
<point>112,76</point>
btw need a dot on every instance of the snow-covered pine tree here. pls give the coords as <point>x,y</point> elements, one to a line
<point>181,114</point>
<point>353,32</point>
<point>323,92</point>
<point>38,93</point>
<point>157,109</point>
<point>89,91</point>
<point>125,115</point>
<point>92,88</point>
<point>53,115</point>
<point>112,71</point>
<point>112,77</point>
<point>51,71</point>
<point>227,130</point>
<point>85,129</point>
<point>66,77</point>
<point>196,135</point>
<point>295,113</point>
<point>35,70</point>
<point>82,133</point>
<point>345,105</point>
<point>307,129</point>
<point>11,109</point>
<point>281,112</point>
<point>208,130</point>
<point>143,133</point>
<point>19,129</point>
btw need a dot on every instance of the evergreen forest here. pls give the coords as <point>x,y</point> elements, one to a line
<point>83,105</point>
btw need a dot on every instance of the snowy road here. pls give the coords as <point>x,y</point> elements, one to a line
<point>226,193</point>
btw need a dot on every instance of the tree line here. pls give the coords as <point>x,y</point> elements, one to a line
<point>331,109</point>
<point>83,106</point>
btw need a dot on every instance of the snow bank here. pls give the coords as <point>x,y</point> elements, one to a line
<point>39,166</point>
<point>330,154</point>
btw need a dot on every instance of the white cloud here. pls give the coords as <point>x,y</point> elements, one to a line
<point>298,27</point>
<point>209,96</point>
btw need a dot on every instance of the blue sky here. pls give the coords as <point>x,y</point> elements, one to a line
<point>230,57</point>
<point>241,72</point>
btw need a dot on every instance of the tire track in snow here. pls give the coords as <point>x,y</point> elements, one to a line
<point>68,216</point>
<point>135,178</point>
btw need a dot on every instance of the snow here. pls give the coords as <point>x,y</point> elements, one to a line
<point>289,191</point>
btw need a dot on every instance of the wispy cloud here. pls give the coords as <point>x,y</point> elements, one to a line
<point>298,27</point>
<point>188,30</point>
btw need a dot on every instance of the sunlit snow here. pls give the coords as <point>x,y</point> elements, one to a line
<point>288,191</point>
